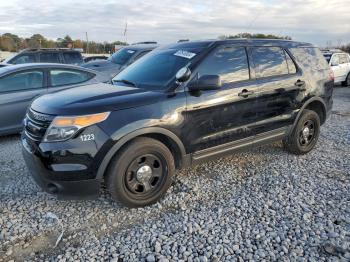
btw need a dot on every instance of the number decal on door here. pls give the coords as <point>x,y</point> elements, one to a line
<point>88,137</point>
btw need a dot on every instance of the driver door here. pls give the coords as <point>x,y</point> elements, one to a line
<point>221,116</point>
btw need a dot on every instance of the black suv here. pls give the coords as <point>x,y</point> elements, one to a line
<point>47,55</point>
<point>177,106</point>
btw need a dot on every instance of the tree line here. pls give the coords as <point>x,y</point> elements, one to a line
<point>14,43</point>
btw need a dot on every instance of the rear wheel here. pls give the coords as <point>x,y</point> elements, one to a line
<point>305,134</point>
<point>347,81</point>
<point>141,173</point>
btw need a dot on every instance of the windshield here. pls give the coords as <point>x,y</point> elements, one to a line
<point>328,57</point>
<point>155,70</point>
<point>122,56</point>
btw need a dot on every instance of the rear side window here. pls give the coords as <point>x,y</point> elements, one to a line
<point>141,55</point>
<point>22,81</point>
<point>62,77</point>
<point>49,58</point>
<point>269,61</point>
<point>310,57</point>
<point>23,59</point>
<point>73,58</point>
<point>229,62</point>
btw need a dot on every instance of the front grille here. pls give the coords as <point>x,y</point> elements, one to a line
<point>36,124</point>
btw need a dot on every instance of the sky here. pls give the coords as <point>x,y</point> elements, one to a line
<point>166,21</point>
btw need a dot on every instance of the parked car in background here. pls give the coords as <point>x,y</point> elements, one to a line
<point>47,55</point>
<point>179,105</point>
<point>339,62</point>
<point>94,58</point>
<point>120,59</point>
<point>20,84</point>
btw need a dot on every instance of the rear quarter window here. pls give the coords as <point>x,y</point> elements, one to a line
<point>310,57</point>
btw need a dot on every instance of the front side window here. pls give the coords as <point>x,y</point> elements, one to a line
<point>62,77</point>
<point>49,58</point>
<point>335,60</point>
<point>23,59</point>
<point>229,62</point>
<point>269,61</point>
<point>73,58</point>
<point>157,69</point>
<point>22,81</point>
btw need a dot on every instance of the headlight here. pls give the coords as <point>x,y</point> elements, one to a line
<point>63,128</point>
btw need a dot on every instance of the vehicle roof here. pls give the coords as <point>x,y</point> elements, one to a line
<point>13,68</point>
<point>245,41</point>
<point>49,50</point>
<point>141,46</point>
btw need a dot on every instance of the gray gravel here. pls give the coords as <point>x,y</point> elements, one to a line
<point>262,204</point>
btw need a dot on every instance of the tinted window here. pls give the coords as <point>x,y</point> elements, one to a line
<point>22,81</point>
<point>60,77</point>
<point>49,58</point>
<point>73,58</point>
<point>23,59</point>
<point>227,61</point>
<point>122,56</point>
<point>269,61</point>
<point>309,57</point>
<point>291,66</point>
<point>157,69</point>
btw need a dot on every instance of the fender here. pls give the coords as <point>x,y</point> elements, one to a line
<point>143,131</point>
<point>313,99</point>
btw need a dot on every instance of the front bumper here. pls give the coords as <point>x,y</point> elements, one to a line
<point>63,189</point>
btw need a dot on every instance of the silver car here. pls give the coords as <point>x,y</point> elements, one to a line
<point>340,64</point>
<point>20,84</point>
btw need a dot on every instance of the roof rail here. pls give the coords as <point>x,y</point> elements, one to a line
<point>145,42</point>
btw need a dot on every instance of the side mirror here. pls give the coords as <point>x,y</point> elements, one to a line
<point>183,74</point>
<point>205,82</point>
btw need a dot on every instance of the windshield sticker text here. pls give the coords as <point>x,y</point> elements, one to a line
<point>185,54</point>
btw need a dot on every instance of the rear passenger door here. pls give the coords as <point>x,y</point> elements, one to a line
<point>278,83</point>
<point>17,90</point>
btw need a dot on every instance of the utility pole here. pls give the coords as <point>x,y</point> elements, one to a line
<point>87,43</point>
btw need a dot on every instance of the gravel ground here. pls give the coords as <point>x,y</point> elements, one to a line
<point>261,204</point>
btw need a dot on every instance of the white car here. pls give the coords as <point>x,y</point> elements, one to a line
<point>340,63</point>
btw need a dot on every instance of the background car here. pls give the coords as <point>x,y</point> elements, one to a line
<point>88,59</point>
<point>120,59</point>
<point>20,84</point>
<point>47,55</point>
<point>340,64</point>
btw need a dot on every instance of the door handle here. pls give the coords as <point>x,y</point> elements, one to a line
<point>245,93</point>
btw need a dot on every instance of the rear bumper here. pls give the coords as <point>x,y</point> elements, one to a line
<point>63,189</point>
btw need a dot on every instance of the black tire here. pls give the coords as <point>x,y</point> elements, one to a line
<point>136,187</point>
<point>347,81</point>
<point>299,142</point>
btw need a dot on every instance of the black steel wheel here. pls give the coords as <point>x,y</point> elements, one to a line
<point>304,136</point>
<point>140,173</point>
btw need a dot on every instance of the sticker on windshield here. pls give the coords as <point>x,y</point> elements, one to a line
<point>131,51</point>
<point>185,54</point>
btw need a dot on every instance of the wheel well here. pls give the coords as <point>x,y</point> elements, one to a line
<point>171,144</point>
<point>318,107</point>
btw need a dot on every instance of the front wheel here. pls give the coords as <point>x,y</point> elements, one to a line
<point>141,173</point>
<point>304,136</point>
<point>347,81</point>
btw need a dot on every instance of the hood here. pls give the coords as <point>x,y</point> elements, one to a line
<point>100,65</point>
<point>93,99</point>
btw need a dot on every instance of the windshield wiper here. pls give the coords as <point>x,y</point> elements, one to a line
<point>125,82</point>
